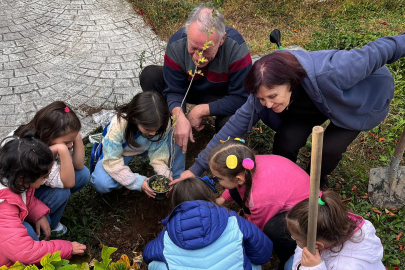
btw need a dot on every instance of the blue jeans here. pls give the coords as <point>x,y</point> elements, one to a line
<point>57,198</point>
<point>104,183</point>
<point>31,231</point>
<point>289,264</point>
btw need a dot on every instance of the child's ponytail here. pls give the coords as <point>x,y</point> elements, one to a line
<point>333,225</point>
<point>23,161</point>
<point>245,162</point>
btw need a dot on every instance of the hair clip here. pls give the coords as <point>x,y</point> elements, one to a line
<point>209,182</point>
<point>67,110</point>
<point>236,139</point>
<point>231,162</point>
<point>247,163</point>
<point>225,140</point>
<point>320,200</point>
<point>239,139</point>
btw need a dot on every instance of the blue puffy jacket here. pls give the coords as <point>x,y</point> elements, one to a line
<point>203,235</point>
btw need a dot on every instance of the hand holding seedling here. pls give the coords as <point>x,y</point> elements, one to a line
<point>78,248</point>
<point>147,190</point>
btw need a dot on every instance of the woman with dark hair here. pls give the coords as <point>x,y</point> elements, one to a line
<point>293,91</point>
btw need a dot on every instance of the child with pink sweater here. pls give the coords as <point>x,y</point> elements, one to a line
<point>25,163</point>
<point>265,186</point>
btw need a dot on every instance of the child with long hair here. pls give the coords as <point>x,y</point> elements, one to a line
<point>25,164</point>
<point>343,240</point>
<point>265,186</point>
<point>58,126</point>
<point>200,234</point>
<point>139,128</point>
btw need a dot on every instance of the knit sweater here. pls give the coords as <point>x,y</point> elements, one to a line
<point>223,76</point>
<point>114,148</point>
<point>277,185</point>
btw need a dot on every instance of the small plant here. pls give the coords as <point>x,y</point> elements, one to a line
<point>55,262</point>
<point>160,184</point>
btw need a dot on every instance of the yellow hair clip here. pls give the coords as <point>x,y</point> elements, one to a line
<point>231,162</point>
<point>225,140</point>
<point>236,139</point>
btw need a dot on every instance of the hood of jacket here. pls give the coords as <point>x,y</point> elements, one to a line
<point>196,224</point>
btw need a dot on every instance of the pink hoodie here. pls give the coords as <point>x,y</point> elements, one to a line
<point>15,243</point>
<point>277,185</point>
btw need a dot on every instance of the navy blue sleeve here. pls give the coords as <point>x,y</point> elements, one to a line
<point>258,247</point>
<point>237,126</point>
<point>154,249</point>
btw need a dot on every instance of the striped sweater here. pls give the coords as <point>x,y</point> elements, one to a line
<point>223,76</point>
<point>113,150</point>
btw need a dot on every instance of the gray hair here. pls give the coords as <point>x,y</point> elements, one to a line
<point>203,13</point>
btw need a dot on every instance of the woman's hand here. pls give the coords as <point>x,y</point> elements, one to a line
<point>220,200</point>
<point>184,175</point>
<point>43,224</point>
<point>147,190</point>
<point>78,248</point>
<point>309,260</point>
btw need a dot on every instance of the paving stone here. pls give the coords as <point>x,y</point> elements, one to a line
<point>85,52</point>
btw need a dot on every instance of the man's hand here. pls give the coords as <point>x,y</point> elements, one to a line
<point>195,116</point>
<point>182,131</point>
<point>309,260</point>
<point>184,175</point>
<point>43,224</point>
<point>147,190</point>
<point>220,200</point>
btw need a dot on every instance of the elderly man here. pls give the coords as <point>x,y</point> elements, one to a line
<point>220,91</point>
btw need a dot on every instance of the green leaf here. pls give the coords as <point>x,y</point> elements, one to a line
<point>85,266</point>
<point>17,266</point>
<point>47,259</point>
<point>69,267</point>
<point>106,253</point>
<point>48,266</point>
<point>31,267</point>
<point>60,263</point>
<point>118,266</point>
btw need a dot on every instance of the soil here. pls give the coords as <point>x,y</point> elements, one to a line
<point>138,220</point>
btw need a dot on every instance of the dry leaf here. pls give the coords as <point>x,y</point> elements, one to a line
<point>399,236</point>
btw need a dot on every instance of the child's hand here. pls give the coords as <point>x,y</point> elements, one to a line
<point>147,190</point>
<point>78,248</point>
<point>43,224</point>
<point>309,260</point>
<point>220,200</point>
<point>58,148</point>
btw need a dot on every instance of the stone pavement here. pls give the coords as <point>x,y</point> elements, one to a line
<point>88,53</point>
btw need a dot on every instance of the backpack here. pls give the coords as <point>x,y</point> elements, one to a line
<point>97,149</point>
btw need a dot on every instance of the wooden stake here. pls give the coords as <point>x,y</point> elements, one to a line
<point>316,161</point>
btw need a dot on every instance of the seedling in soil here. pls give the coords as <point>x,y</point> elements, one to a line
<point>160,184</point>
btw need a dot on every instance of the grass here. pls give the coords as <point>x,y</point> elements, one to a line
<point>339,24</point>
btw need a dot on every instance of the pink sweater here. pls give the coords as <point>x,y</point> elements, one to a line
<point>15,243</point>
<point>278,184</point>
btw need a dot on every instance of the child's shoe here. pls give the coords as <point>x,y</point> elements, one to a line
<point>59,230</point>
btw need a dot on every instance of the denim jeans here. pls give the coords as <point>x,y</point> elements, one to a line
<point>31,230</point>
<point>104,183</point>
<point>57,198</point>
<point>289,264</point>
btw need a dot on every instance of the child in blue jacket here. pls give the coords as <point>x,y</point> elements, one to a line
<point>200,234</point>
